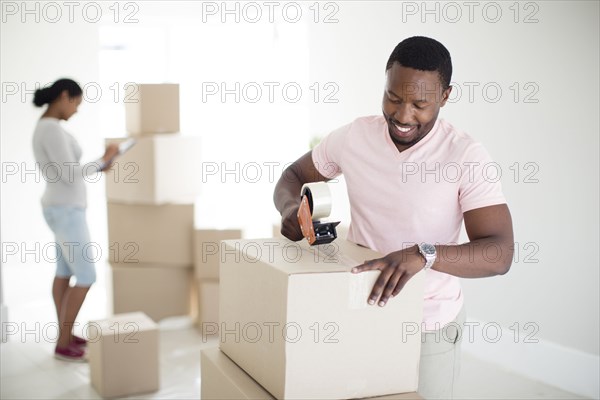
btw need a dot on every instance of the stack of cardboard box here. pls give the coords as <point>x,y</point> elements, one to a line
<point>295,324</point>
<point>151,191</point>
<point>207,254</point>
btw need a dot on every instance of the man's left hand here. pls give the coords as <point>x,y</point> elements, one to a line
<point>396,269</point>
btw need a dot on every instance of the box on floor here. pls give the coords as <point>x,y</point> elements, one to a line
<point>123,355</point>
<point>222,379</point>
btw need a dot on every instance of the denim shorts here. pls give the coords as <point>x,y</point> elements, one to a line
<point>72,239</point>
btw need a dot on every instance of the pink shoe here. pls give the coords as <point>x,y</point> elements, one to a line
<point>79,341</point>
<point>72,353</point>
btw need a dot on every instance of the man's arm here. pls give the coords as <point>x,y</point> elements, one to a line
<point>287,193</point>
<point>489,252</point>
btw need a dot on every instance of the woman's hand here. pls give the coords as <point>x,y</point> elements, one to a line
<point>112,150</point>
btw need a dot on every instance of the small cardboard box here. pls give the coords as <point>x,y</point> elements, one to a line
<point>222,379</point>
<point>160,292</point>
<point>150,234</point>
<point>123,355</point>
<point>152,108</point>
<point>297,320</point>
<point>207,319</point>
<point>158,169</point>
<point>207,250</point>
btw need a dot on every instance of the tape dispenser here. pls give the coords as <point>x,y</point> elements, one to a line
<point>315,205</point>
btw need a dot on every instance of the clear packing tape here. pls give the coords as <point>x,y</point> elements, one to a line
<point>319,198</point>
<point>315,205</point>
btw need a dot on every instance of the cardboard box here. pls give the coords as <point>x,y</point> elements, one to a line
<point>222,379</point>
<point>150,234</point>
<point>152,108</point>
<point>160,292</point>
<point>207,319</point>
<point>123,355</point>
<point>297,320</point>
<point>156,170</point>
<point>207,246</point>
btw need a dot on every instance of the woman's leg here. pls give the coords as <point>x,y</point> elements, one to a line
<point>71,304</point>
<point>70,228</point>
<point>58,221</point>
<point>59,287</point>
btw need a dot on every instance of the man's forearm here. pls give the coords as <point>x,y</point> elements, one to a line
<point>287,190</point>
<point>287,193</point>
<point>477,259</point>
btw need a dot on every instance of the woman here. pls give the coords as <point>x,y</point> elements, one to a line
<point>64,202</point>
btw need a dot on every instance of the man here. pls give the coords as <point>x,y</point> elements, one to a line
<point>412,179</point>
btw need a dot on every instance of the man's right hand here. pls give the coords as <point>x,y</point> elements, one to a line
<point>287,194</point>
<point>290,227</point>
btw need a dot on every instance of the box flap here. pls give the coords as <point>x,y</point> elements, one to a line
<point>299,257</point>
<point>125,323</point>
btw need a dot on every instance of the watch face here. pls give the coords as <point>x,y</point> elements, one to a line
<point>428,248</point>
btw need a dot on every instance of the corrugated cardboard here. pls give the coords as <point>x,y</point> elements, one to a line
<point>336,345</point>
<point>158,169</point>
<point>123,355</point>
<point>150,234</point>
<point>207,320</point>
<point>207,246</point>
<point>152,108</point>
<point>222,379</point>
<point>160,292</point>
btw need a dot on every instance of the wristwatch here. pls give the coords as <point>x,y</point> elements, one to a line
<point>429,252</point>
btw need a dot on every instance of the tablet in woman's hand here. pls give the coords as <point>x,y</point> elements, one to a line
<point>126,145</point>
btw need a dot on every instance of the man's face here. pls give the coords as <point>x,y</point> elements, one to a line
<point>411,103</point>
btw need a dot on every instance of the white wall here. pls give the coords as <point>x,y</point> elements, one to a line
<point>553,283</point>
<point>558,134</point>
<point>238,131</point>
<point>33,53</point>
<point>37,54</point>
<point>555,219</point>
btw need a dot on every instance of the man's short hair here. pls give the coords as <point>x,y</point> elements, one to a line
<point>424,54</point>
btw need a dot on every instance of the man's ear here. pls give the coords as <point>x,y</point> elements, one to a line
<point>445,96</point>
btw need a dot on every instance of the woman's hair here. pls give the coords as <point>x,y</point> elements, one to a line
<point>48,94</point>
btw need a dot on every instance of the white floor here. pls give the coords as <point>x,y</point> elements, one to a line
<point>29,371</point>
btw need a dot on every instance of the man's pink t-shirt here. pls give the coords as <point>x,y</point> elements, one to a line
<point>419,195</point>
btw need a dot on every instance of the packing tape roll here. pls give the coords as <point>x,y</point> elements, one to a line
<point>319,198</point>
